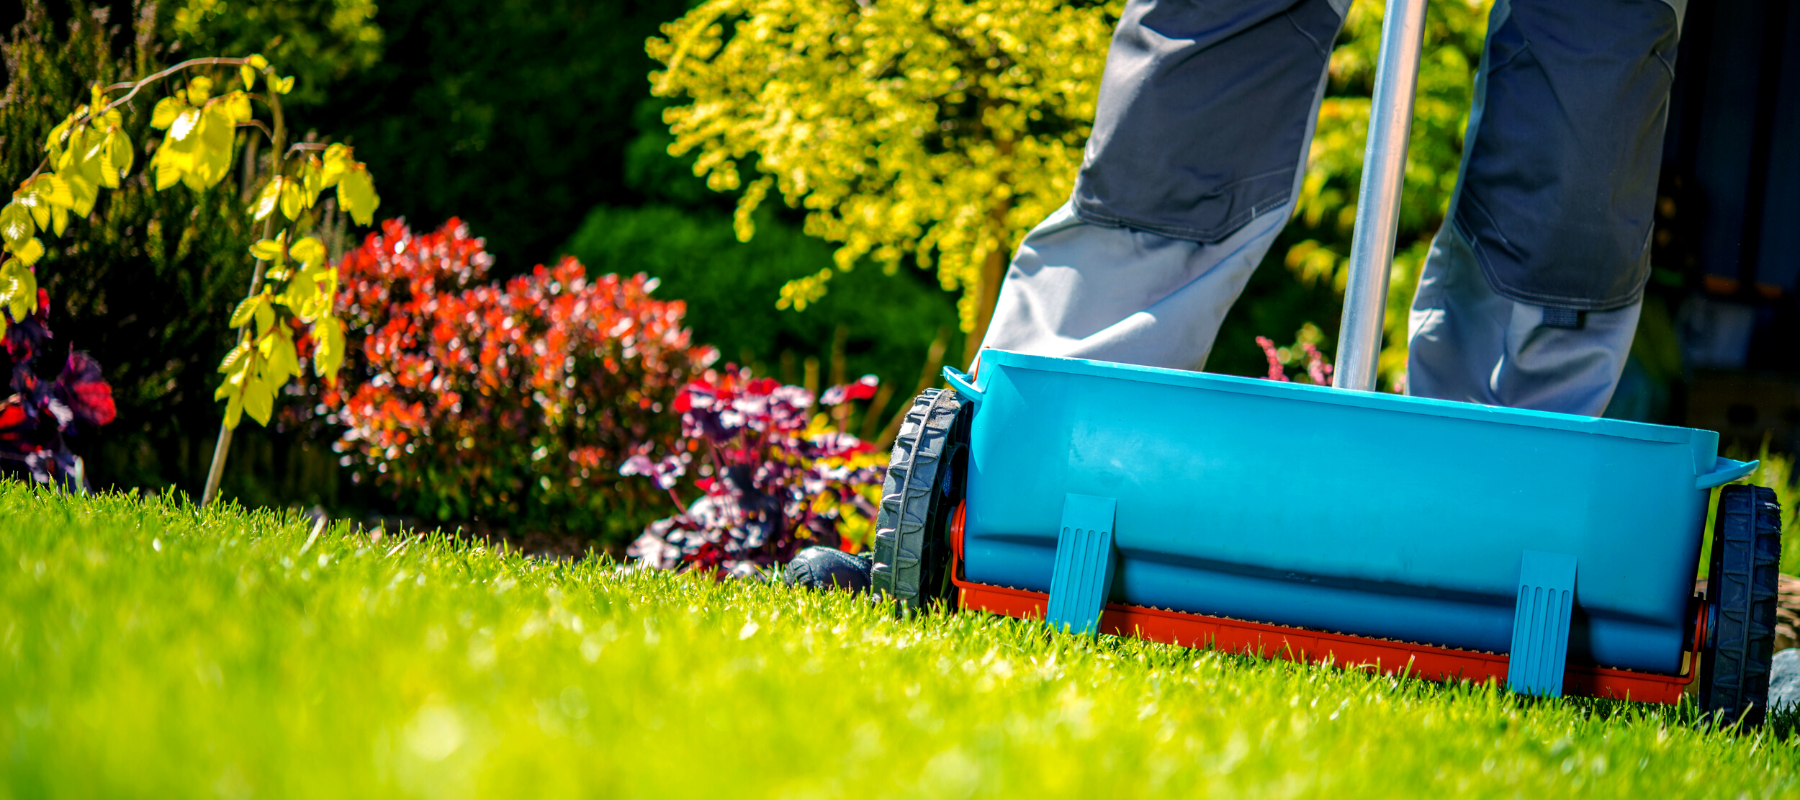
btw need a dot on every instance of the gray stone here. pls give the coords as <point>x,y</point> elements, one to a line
<point>1784,681</point>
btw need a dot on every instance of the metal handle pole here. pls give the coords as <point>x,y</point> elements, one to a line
<point>1378,202</point>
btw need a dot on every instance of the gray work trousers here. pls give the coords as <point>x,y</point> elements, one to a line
<point>1531,293</point>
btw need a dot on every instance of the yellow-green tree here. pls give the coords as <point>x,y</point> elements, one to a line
<point>945,130</point>
<point>937,130</point>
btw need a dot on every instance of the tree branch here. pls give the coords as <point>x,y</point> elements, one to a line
<point>135,87</point>
<point>258,124</point>
<point>142,82</point>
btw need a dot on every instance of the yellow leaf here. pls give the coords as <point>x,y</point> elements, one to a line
<point>234,360</point>
<point>30,252</point>
<point>356,193</point>
<point>40,210</point>
<point>123,155</point>
<point>803,291</point>
<point>312,179</point>
<point>293,200</point>
<point>265,318</point>
<point>18,288</point>
<point>283,85</point>
<point>167,173</point>
<point>234,408</point>
<point>83,174</point>
<point>259,401</point>
<point>54,190</point>
<point>248,76</point>
<point>337,159</point>
<point>84,190</point>
<point>167,109</point>
<point>235,105</point>
<point>267,250</point>
<point>100,167</point>
<point>247,309</point>
<point>328,347</point>
<point>92,165</point>
<point>266,201</point>
<point>309,251</point>
<point>256,60</point>
<point>185,125</point>
<point>15,225</point>
<point>300,295</point>
<point>217,140</point>
<point>314,292</point>
<point>198,89</point>
<point>93,145</point>
<point>48,198</point>
<point>53,144</point>
<point>284,360</point>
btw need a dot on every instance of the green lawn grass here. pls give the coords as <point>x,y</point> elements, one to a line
<point>153,650</point>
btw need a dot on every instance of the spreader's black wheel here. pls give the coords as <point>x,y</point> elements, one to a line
<point>923,486</point>
<point>1741,595</point>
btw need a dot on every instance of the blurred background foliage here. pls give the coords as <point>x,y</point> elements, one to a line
<point>885,324</point>
<point>685,234</point>
<point>534,122</point>
<point>513,115</point>
<point>531,120</point>
<point>319,42</point>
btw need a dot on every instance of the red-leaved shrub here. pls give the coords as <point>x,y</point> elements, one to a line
<point>511,404</point>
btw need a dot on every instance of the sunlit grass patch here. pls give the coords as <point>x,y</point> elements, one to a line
<point>150,649</point>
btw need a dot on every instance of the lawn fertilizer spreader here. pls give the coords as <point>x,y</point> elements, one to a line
<point>1444,540</point>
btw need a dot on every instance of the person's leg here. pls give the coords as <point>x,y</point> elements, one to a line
<point>1472,344</point>
<point>1532,290</point>
<point>1206,111</point>
<point>1080,290</point>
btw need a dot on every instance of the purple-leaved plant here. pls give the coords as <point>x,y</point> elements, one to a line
<point>771,481</point>
<point>42,412</point>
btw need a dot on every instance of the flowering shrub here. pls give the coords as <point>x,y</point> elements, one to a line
<point>42,412</point>
<point>1303,353</point>
<point>772,479</point>
<point>506,403</point>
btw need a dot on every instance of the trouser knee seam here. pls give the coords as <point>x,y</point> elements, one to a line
<point>1323,50</point>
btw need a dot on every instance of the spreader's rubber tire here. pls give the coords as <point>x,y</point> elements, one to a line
<point>923,485</point>
<point>1741,589</point>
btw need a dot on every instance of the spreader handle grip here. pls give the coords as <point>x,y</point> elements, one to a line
<point>963,384</point>
<point>1725,470</point>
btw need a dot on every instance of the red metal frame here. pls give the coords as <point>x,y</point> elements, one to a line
<point>1276,641</point>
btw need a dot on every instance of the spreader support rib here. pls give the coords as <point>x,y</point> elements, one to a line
<point>1540,639</point>
<point>1084,564</point>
